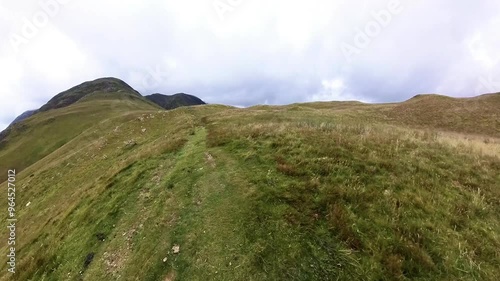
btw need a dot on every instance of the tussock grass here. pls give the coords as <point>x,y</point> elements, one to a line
<point>306,192</point>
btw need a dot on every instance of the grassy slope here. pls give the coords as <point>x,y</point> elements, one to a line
<point>305,192</point>
<point>479,115</point>
<point>40,135</point>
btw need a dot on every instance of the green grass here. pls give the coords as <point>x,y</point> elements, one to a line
<point>304,192</point>
<point>42,134</point>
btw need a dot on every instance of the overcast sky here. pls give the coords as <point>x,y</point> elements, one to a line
<point>246,52</point>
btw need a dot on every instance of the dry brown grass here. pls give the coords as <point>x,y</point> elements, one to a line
<point>483,145</point>
<point>477,115</point>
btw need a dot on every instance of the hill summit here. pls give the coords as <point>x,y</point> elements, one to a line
<point>174,101</point>
<point>109,85</point>
<point>102,85</point>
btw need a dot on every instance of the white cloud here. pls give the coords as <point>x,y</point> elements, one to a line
<point>483,45</point>
<point>333,90</point>
<point>55,57</point>
<point>276,51</point>
<point>12,102</point>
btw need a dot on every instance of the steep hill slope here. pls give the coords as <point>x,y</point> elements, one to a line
<point>328,191</point>
<point>73,95</point>
<point>102,85</point>
<point>109,85</point>
<point>25,142</point>
<point>174,101</point>
<point>23,116</point>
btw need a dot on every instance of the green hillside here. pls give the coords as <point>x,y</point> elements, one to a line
<point>36,137</point>
<point>102,85</point>
<point>113,188</point>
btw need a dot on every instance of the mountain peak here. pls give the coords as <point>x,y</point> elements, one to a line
<point>111,86</point>
<point>104,85</point>
<point>174,101</point>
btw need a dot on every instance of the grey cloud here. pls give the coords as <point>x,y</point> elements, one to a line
<point>277,52</point>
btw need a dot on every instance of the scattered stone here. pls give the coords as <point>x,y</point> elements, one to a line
<point>29,203</point>
<point>130,143</point>
<point>210,159</point>
<point>100,236</point>
<point>156,179</point>
<point>88,260</point>
<point>176,249</point>
<point>164,259</point>
<point>114,263</point>
<point>143,130</point>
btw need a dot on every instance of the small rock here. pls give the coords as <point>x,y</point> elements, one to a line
<point>164,259</point>
<point>176,249</point>
<point>29,203</point>
<point>130,143</point>
<point>100,236</point>
<point>143,130</point>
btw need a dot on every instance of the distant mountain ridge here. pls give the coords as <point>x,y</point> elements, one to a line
<point>108,85</point>
<point>23,116</point>
<point>174,101</point>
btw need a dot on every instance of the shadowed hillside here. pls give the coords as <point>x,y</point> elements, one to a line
<point>174,101</point>
<point>23,116</point>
